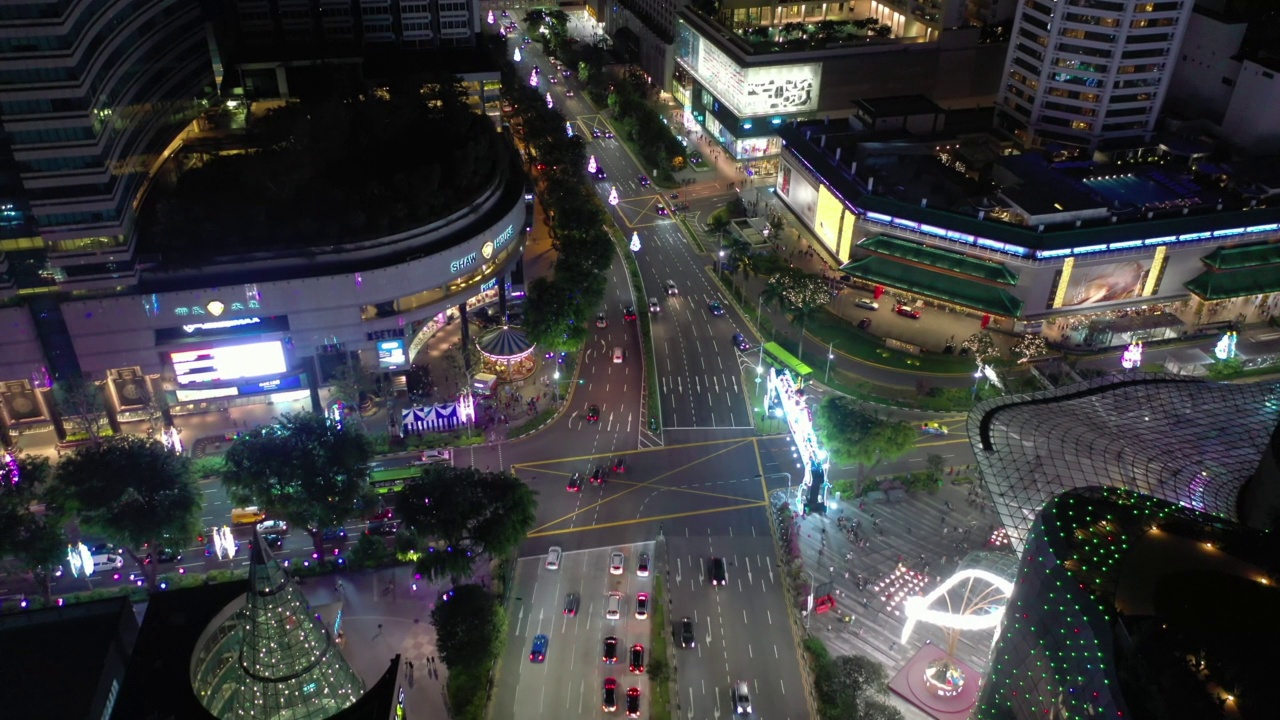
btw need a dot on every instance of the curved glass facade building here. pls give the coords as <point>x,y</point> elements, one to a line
<point>1127,606</point>
<point>1185,441</point>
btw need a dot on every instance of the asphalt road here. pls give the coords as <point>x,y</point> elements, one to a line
<point>742,629</point>
<point>569,683</point>
<point>698,367</point>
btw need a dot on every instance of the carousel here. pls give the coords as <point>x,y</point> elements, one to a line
<point>507,353</point>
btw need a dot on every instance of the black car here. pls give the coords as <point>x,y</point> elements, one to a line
<point>600,174</point>
<point>740,342</point>
<point>637,659</point>
<point>643,180</point>
<point>571,602</point>
<point>610,701</point>
<point>633,702</point>
<point>595,133</point>
<point>864,323</point>
<point>629,314</point>
<point>163,554</point>
<point>620,464</point>
<point>331,534</point>
<point>384,528</point>
<point>715,307</point>
<point>593,413</point>
<point>717,571</point>
<point>597,475</point>
<point>686,633</point>
<point>274,541</point>
<point>610,656</point>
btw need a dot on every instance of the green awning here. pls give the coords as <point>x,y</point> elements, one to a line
<point>936,284</point>
<point>941,259</point>
<point>1249,256</point>
<point>1215,285</point>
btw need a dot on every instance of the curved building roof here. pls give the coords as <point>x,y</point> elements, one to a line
<point>504,343</point>
<point>1186,441</point>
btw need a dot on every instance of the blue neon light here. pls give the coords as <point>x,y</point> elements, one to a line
<point>1194,236</point>
<point>1224,233</point>
<point>1126,244</point>
<point>1161,240</point>
<point>1089,249</point>
<point>879,218</point>
<point>1053,253</point>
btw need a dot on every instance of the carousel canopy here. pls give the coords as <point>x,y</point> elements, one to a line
<point>505,343</point>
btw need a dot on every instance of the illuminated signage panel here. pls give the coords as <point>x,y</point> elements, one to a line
<point>229,362</point>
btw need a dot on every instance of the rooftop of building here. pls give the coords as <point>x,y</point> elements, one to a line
<point>972,185</point>
<point>898,106</point>
<point>55,658</point>
<point>311,175</point>
<point>1182,584</point>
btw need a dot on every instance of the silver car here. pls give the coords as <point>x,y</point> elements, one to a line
<point>741,699</point>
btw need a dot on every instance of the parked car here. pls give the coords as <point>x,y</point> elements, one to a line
<point>867,304</point>
<point>907,311</point>
<point>864,323</point>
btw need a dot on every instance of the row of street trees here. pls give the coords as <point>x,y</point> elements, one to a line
<point>853,435</point>
<point>130,489</point>
<point>559,308</point>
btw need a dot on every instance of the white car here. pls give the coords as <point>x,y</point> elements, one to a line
<point>279,527</point>
<point>432,456</point>
<point>553,557</point>
<point>616,561</point>
<point>107,563</point>
<point>741,699</point>
<point>617,355</point>
<point>613,610</point>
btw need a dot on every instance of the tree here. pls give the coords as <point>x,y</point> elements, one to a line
<point>82,407</point>
<point>1031,345</point>
<point>981,346</point>
<point>801,315</point>
<point>658,669</point>
<point>863,676</point>
<point>131,489</point>
<point>466,633</point>
<point>304,469</point>
<point>802,289</point>
<point>853,435</point>
<point>878,710</point>
<point>350,383</point>
<point>467,513</point>
<point>30,534</point>
<point>933,464</point>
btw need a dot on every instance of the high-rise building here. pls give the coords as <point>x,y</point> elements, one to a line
<point>1081,73</point>
<point>355,23</point>
<point>91,94</point>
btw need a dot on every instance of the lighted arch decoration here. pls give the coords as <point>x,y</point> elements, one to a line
<point>971,615</point>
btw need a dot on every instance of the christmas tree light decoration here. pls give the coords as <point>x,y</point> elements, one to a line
<point>533,79</point>
<point>591,164</point>
<point>517,54</point>
<point>568,129</point>
<point>550,102</point>
<point>1226,347</point>
<point>613,195</point>
<point>635,242</point>
<point>491,17</point>
<point>1132,356</point>
<point>272,657</point>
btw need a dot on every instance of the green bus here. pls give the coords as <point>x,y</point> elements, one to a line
<point>392,480</point>
<point>779,357</point>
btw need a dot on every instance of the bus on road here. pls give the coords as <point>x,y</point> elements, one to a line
<point>778,357</point>
<point>392,480</point>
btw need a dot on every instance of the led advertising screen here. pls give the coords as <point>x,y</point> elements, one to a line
<point>1091,285</point>
<point>776,89</point>
<point>391,353</point>
<point>229,362</point>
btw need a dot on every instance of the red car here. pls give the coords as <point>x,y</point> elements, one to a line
<point>907,311</point>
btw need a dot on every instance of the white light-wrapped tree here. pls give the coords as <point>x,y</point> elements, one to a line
<point>1030,346</point>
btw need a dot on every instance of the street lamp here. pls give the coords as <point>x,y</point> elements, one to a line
<point>555,396</point>
<point>830,355</point>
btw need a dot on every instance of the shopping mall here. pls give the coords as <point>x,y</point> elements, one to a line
<point>262,327</point>
<point>1149,243</point>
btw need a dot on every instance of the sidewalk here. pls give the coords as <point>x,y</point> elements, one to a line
<point>896,550</point>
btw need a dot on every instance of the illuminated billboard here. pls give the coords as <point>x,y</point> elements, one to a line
<point>775,89</point>
<point>229,362</point>
<point>391,353</point>
<point>1091,285</point>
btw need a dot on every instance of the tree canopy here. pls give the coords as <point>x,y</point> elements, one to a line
<point>304,469</point>
<point>466,633</point>
<point>981,346</point>
<point>461,513</point>
<point>133,490</point>
<point>332,169</point>
<point>853,435</point>
<point>801,290</point>
<point>32,537</point>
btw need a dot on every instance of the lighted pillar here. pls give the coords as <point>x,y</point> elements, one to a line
<point>466,341</point>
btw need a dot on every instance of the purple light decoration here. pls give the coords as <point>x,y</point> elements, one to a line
<point>10,464</point>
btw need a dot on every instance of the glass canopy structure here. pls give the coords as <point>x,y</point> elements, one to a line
<point>269,657</point>
<point>1185,441</point>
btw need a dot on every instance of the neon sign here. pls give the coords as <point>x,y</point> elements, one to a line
<point>216,308</point>
<point>221,324</point>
